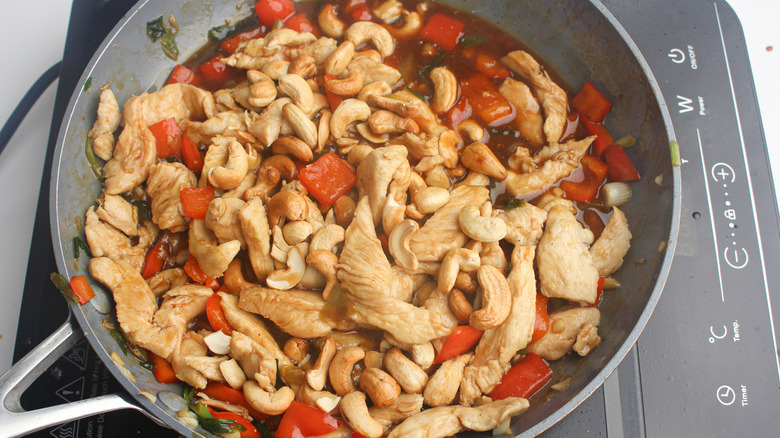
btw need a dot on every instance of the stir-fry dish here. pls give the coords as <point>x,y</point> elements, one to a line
<point>358,218</point>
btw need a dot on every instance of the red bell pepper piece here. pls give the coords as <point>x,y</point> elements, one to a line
<point>620,167</point>
<point>300,23</point>
<point>302,420</point>
<point>167,136</point>
<point>594,222</point>
<point>250,431</point>
<point>216,315</point>
<point>183,75</point>
<point>488,104</point>
<point>458,113</point>
<point>586,190</point>
<point>163,371</point>
<point>191,155</point>
<point>591,103</point>
<point>334,100</point>
<point>221,391</point>
<point>82,289</point>
<point>599,290</point>
<point>217,72</point>
<point>603,136</point>
<point>361,14</point>
<point>461,340</point>
<point>196,200</point>
<point>268,11</point>
<point>157,256</point>
<point>194,271</point>
<point>327,178</point>
<point>231,44</point>
<point>489,66</point>
<point>523,379</point>
<point>542,321</point>
<point>443,30</point>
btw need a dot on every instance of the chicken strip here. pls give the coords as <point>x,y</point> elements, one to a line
<point>376,172</point>
<point>251,326</point>
<point>119,213</point>
<point>108,119</point>
<point>134,154</point>
<point>256,362</point>
<point>105,240</point>
<point>449,420</point>
<point>191,344</point>
<point>546,168</point>
<point>565,265</point>
<point>613,244</point>
<point>365,276</point>
<point>529,120</point>
<point>525,224</point>
<point>498,345</point>
<point>550,95</point>
<point>257,233</point>
<point>164,186</point>
<point>567,327</point>
<point>212,256</point>
<point>404,407</point>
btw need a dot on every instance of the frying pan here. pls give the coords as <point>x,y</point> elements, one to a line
<point>579,39</point>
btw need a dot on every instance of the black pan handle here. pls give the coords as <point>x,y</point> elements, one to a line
<point>17,422</point>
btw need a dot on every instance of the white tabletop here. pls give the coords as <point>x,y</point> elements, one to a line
<point>34,39</point>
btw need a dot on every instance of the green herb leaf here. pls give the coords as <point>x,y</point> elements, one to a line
<point>155,28</point>
<point>120,339</point>
<point>80,244</point>
<point>214,425</point>
<point>88,84</point>
<point>264,431</point>
<point>436,61</point>
<point>97,168</point>
<point>417,93</point>
<point>63,285</point>
<point>514,203</point>
<point>189,393</point>
<point>472,40</point>
<point>168,43</point>
<point>144,211</point>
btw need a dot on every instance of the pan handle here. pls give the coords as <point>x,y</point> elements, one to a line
<point>16,421</point>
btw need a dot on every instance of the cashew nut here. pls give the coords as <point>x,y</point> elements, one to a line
<point>466,283</point>
<point>263,89</point>
<point>478,157</point>
<point>355,411</point>
<point>276,69</point>
<point>285,279</point>
<point>373,359</point>
<point>303,65</point>
<point>267,126</point>
<point>397,106</point>
<point>430,199</point>
<point>380,386</point>
<point>459,259</point>
<point>323,129</point>
<point>459,305</point>
<point>423,355</point>
<point>284,165</point>
<point>386,122</point>
<point>292,146</point>
<point>409,375</point>
<point>348,111</point>
<point>496,299</point>
<point>267,179</point>
<point>297,350</point>
<point>412,25</point>
<point>471,130</point>
<point>479,228</point>
<point>270,403</point>
<point>296,232</point>
<point>446,90</point>
<point>364,31</point>
<point>230,175</point>
<point>327,237</point>
<point>365,130</point>
<point>348,86</point>
<point>301,124</point>
<point>325,262</point>
<point>337,62</point>
<point>379,88</point>
<point>232,373</point>
<point>340,371</point>
<point>344,209</point>
<point>449,143</point>
<point>234,278</point>
<point>288,204</point>
<point>437,177</point>
<point>318,374</point>
<point>298,90</point>
<point>398,243</point>
<point>329,22</point>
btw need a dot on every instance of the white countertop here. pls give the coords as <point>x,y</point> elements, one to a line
<point>34,36</point>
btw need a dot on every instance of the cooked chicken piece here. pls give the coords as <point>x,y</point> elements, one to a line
<point>319,50</point>
<point>256,361</point>
<point>525,224</point>
<point>565,266</point>
<point>223,219</point>
<point>251,326</point>
<point>114,210</point>
<point>105,240</point>
<point>221,122</point>
<point>554,162</point>
<point>296,312</point>
<point>254,226</point>
<point>191,345</point>
<point>134,154</point>
<point>492,254</point>
<point>497,346</point>
<point>372,71</point>
<point>207,366</point>
<point>180,101</point>
<point>418,146</point>
<point>108,119</point>
<point>587,339</point>
<point>554,197</point>
<point>212,256</point>
<point>216,155</point>
<point>166,280</point>
<point>442,233</point>
<point>377,171</point>
<point>252,56</point>
<point>613,244</point>
<point>566,327</point>
<point>550,95</point>
<point>404,407</point>
<point>365,275</point>
<point>449,420</point>
<point>529,119</point>
<point>404,284</point>
<point>421,113</point>
<point>443,385</point>
<point>164,186</point>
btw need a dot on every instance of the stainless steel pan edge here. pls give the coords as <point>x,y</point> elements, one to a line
<point>579,39</point>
